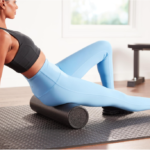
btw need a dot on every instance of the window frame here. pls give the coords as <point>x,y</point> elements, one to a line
<point>134,29</point>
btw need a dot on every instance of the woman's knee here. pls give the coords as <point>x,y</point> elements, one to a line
<point>105,44</point>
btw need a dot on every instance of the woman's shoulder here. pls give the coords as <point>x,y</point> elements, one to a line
<point>4,37</point>
<point>5,43</point>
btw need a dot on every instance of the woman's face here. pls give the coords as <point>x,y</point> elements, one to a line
<point>10,8</point>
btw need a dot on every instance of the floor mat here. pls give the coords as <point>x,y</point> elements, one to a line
<point>22,128</point>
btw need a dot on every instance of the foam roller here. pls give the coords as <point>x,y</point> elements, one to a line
<point>70,114</point>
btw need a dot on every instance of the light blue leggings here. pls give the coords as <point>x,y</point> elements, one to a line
<point>61,83</point>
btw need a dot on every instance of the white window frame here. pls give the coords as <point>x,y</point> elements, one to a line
<point>134,29</point>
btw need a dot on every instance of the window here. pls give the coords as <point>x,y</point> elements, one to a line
<point>101,18</point>
<point>99,12</point>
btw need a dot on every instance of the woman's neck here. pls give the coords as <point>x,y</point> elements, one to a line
<point>2,22</point>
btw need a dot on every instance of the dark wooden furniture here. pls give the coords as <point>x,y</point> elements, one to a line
<point>136,78</point>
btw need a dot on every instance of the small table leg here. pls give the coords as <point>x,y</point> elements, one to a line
<point>136,79</point>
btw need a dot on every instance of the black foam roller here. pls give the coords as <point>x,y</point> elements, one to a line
<point>70,114</point>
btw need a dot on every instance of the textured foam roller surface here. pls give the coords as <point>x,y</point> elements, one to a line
<point>70,114</point>
<point>22,128</point>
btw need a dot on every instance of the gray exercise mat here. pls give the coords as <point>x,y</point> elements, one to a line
<point>22,128</point>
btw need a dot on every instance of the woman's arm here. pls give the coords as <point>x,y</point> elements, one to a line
<point>5,43</point>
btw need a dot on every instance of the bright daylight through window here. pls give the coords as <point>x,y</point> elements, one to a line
<point>99,12</point>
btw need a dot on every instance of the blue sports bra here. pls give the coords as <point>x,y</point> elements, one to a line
<point>27,54</point>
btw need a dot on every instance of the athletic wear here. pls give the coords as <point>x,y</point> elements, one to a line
<point>27,54</point>
<point>61,83</point>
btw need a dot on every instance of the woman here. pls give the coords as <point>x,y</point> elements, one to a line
<point>56,84</point>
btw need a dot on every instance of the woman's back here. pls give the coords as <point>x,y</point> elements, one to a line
<point>22,53</point>
<point>14,46</point>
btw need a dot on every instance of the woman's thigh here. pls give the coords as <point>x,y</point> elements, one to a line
<point>79,63</point>
<point>70,89</point>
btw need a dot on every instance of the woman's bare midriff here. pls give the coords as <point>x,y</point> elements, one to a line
<point>36,66</point>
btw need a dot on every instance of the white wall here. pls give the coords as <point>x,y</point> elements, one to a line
<point>42,21</point>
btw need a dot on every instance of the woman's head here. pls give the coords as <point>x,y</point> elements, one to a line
<point>8,8</point>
